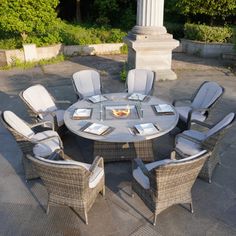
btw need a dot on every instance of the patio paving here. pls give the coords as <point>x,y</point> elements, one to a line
<point>22,205</point>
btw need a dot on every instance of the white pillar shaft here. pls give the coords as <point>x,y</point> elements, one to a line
<point>150,13</point>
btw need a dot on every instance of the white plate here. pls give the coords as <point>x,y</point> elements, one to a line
<point>137,96</point>
<point>97,98</point>
<point>96,129</point>
<point>82,112</point>
<point>146,129</point>
<point>164,108</point>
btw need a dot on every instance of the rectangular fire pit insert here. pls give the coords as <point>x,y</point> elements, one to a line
<point>121,112</point>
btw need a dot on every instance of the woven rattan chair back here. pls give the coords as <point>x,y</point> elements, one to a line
<point>68,184</point>
<point>170,184</point>
<point>26,147</point>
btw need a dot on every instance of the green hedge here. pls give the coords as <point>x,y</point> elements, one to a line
<point>68,34</point>
<point>83,35</point>
<point>208,34</point>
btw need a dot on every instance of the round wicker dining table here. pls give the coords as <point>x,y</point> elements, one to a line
<point>121,142</point>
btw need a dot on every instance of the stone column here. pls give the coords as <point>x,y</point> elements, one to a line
<point>149,45</point>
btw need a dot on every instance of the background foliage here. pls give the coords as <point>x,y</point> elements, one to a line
<point>31,20</point>
<point>107,21</point>
<point>208,34</point>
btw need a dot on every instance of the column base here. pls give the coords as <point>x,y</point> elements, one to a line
<point>152,52</point>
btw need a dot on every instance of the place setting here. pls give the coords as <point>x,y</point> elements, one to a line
<point>82,114</point>
<point>97,129</point>
<point>97,98</point>
<point>138,97</point>
<point>144,129</point>
<point>163,109</point>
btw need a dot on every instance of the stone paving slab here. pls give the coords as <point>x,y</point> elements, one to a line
<point>22,205</point>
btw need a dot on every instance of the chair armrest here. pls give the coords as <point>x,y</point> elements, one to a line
<point>42,123</point>
<point>200,109</point>
<point>49,138</point>
<point>54,116</point>
<point>63,101</point>
<point>194,140</point>
<point>98,161</point>
<point>205,110</point>
<point>138,163</point>
<point>181,100</point>
<point>46,113</point>
<point>203,124</point>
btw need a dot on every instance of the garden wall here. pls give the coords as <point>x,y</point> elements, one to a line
<point>207,50</point>
<point>30,52</point>
<point>7,57</point>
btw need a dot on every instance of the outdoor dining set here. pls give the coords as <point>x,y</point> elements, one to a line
<point>122,127</point>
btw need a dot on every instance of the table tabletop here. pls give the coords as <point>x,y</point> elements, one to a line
<point>121,126</point>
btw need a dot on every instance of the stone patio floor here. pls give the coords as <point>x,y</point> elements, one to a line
<point>22,204</point>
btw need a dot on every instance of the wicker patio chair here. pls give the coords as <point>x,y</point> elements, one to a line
<point>40,144</point>
<point>198,107</point>
<point>42,106</point>
<point>140,81</point>
<point>162,184</point>
<point>192,141</point>
<point>86,83</point>
<point>71,183</point>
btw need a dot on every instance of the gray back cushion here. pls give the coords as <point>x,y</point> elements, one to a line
<point>87,83</point>
<point>140,81</point>
<point>221,125</point>
<point>39,98</point>
<point>17,124</point>
<point>207,95</point>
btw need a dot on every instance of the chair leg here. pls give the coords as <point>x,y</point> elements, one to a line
<point>47,210</point>
<point>191,207</point>
<point>103,191</point>
<point>132,192</point>
<point>154,219</point>
<point>85,217</point>
<point>209,180</point>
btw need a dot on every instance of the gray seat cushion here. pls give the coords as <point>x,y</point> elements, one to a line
<point>184,111</point>
<point>47,147</point>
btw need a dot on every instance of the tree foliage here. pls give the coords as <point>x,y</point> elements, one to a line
<point>28,17</point>
<point>119,13</point>
<point>215,10</point>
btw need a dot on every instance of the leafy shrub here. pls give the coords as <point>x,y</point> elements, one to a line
<point>28,18</point>
<point>234,37</point>
<point>124,49</point>
<point>10,43</point>
<point>216,11</point>
<point>208,33</point>
<point>124,72</point>
<point>82,35</point>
